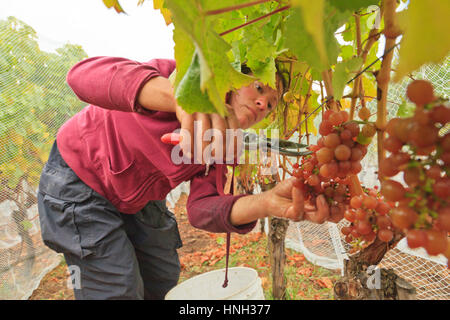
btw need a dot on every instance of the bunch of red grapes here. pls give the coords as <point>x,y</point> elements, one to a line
<point>368,217</point>
<point>337,156</point>
<point>419,149</point>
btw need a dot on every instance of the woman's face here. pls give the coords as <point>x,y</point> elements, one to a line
<point>252,103</point>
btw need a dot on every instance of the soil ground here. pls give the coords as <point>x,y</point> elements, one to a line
<point>203,251</point>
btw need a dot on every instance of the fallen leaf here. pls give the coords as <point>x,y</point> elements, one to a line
<point>325,282</point>
<point>264,281</point>
<point>305,271</point>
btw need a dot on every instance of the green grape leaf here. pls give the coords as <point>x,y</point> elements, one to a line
<point>303,47</point>
<point>347,52</point>
<point>424,39</point>
<point>313,11</point>
<point>301,43</point>
<point>159,5</point>
<point>343,72</point>
<point>184,51</point>
<point>217,75</point>
<point>188,92</point>
<point>265,72</point>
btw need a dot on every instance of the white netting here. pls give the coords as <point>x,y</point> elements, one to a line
<point>34,102</point>
<point>323,244</point>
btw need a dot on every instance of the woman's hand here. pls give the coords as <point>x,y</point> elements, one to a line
<point>158,95</point>
<point>283,201</point>
<point>205,146</point>
<point>287,201</point>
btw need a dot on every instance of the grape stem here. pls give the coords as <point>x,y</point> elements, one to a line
<point>255,20</point>
<point>383,76</point>
<point>236,7</point>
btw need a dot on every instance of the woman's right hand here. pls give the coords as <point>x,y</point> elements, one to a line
<point>200,146</point>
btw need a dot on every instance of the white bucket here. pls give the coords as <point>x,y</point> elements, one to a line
<point>243,284</point>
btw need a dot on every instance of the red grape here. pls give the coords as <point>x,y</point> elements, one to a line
<point>422,116</point>
<point>446,157</point>
<point>402,130</point>
<point>336,118</point>
<point>403,217</point>
<point>369,202</point>
<point>360,214</point>
<point>400,158</point>
<point>356,154</point>
<point>369,130</point>
<point>356,202</point>
<point>441,188</point>
<point>345,166</point>
<point>356,167</point>
<point>392,190</point>
<point>370,236</point>
<point>345,134</point>
<point>445,143</point>
<point>434,172</point>
<point>344,115</point>
<point>416,238</point>
<point>325,155</point>
<point>383,222</point>
<point>382,208</point>
<point>342,152</point>
<point>349,215</point>
<point>346,230</point>
<point>313,180</point>
<point>363,227</point>
<point>391,125</point>
<point>440,114</point>
<point>325,127</point>
<point>388,168</point>
<point>327,113</point>
<point>353,127</point>
<point>420,92</point>
<point>412,176</point>
<point>443,220</point>
<point>385,235</point>
<point>329,170</point>
<point>423,136</point>
<point>364,113</point>
<point>436,242</point>
<point>332,140</point>
<point>392,144</point>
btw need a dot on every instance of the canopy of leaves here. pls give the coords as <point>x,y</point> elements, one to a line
<point>426,35</point>
<point>228,33</point>
<point>34,99</point>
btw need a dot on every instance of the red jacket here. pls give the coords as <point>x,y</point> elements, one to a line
<point>114,144</point>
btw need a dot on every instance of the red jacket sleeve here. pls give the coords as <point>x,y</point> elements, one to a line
<point>210,211</point>
<point>114,83</point>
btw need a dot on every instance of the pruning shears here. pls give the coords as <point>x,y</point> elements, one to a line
<point>281,146</point>
<point>253,141</point>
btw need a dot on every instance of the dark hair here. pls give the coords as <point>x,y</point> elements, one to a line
<point>245,69</point>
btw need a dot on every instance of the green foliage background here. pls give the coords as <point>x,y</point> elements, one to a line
<point>35,100</point>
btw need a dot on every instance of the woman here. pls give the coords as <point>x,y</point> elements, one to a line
<point>102,192</point>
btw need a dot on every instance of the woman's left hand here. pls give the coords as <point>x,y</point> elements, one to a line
<point>286,200</point>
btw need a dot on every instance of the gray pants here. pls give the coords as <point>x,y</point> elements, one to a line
<point>114,255</point>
